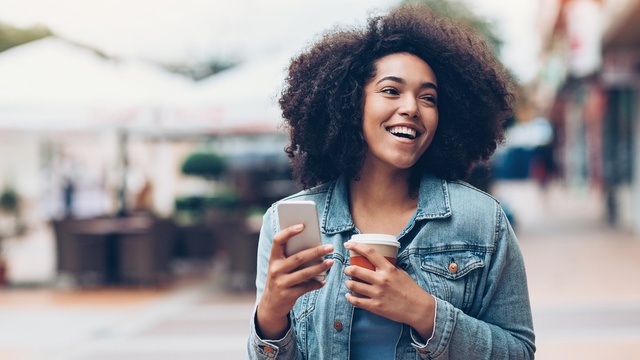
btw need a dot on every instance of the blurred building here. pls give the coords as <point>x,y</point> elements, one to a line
<point>589,84</point>
<point>79,130</point>
<point>93,149</point>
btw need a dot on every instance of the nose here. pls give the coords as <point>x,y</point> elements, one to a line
<point>409,108</point>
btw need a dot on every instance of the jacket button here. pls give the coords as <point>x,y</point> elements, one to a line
<point>453,267</point>
<point>337,325</point>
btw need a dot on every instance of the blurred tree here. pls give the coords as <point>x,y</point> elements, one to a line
<point>457,10</point>
<point>192,209</point>
<point>9,200</point>
<point>208,165</point>
<point>11,36</point>
<point>10,212</point>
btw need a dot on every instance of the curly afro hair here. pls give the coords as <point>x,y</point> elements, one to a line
<point>323,95</point>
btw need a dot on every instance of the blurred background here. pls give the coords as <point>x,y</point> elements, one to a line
<point>141,143</point>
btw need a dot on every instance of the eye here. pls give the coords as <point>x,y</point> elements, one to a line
<point>390,91</point>
<point>430,98</point>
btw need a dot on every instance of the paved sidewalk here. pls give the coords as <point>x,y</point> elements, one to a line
<point>193,320</point>
<point>44,318</point>
<point>583,277</point>
<point>583,281</point>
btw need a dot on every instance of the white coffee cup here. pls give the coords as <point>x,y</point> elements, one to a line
<point>386,245</point>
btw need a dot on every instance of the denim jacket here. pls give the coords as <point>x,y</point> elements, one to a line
<point>459,247</point>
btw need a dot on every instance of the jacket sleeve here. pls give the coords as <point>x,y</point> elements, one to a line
<point>257,348</point>
<point>503,327</point>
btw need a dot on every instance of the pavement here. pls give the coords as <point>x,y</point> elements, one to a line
<point>583,284</point>
<point>195,319</point>
<point>583,276</point>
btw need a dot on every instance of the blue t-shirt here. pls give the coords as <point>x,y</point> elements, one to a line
<point>373,336</point>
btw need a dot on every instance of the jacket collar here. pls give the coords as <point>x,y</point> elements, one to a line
<point>433,203</point>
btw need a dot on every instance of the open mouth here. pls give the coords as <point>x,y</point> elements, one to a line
<point>403,132</point>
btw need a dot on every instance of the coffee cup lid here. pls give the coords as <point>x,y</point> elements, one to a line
<point>376,239</point>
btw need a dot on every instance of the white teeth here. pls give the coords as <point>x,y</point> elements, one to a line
<point>403,130</point>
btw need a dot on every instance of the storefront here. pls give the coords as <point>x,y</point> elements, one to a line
<point>595,106</point>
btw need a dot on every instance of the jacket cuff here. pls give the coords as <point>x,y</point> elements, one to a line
<point>444,323</point>
<point>270,349</point>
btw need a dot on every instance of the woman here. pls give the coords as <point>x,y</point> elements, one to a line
<point>383,123</point>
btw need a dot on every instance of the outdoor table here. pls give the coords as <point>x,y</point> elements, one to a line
<point>113,231</point>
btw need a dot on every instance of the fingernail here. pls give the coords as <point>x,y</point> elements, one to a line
<point>347,245</point>
<point>327,247</point>
<point>297,227</point>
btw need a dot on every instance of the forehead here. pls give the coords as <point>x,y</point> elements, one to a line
<point>404,65</point>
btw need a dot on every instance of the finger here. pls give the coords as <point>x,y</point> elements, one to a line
<point>311,272</point>
<point>298,289</point>
<point>281,238</point>
<point>375,258</point>
<point>358,288</point>
<point>360,273</point>
<point>309,257</point>
<point>358,301</point>
<point>315,252</point>
<point>308,286</point>
<point>283,298</point>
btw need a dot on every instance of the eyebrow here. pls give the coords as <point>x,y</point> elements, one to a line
<point>425,85</point>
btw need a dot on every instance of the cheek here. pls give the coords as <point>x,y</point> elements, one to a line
<point>370,121</point>
<point>432,124</point>
<point>369,133</point>
<point>432,128</point>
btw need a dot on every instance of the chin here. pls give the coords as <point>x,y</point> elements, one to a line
<point>404,165</point>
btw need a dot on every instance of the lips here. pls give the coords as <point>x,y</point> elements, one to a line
<point>403,132</point>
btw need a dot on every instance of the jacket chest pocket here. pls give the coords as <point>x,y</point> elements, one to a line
<point>451,276</point>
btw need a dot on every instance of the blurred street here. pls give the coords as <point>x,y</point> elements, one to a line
<point>139,153</point>
<point>583,277</point>
<point>583,281</point>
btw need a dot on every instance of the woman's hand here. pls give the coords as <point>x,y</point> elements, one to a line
<point>285,283</point>
<point>390,292</point>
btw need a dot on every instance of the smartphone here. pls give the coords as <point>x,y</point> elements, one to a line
<point>301,212</point>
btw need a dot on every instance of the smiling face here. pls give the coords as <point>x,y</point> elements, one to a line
<point>400,113</point>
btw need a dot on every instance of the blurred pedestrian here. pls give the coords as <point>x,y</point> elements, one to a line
<point>68,195</point>
<point>383,121</point>
<point>69,175</point>
<point>542,160</point>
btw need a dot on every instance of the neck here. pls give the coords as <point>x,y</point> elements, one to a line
<point>381,186</point>
<point>380,189</point>
<point>381,202</point>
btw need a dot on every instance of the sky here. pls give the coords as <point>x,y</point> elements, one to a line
<point>173,31</point>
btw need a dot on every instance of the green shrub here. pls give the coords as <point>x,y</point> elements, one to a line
<point>9,200</point>
<point>227,199</point>
<point>204,164</point>
<point>199,203</point>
